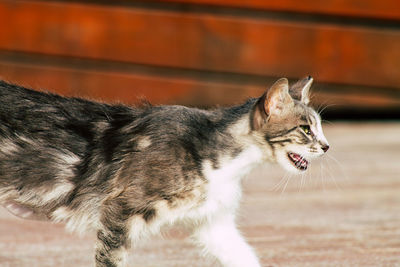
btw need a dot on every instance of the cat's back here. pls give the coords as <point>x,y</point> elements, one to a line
<point>20,102</point>
<point>27,111</point>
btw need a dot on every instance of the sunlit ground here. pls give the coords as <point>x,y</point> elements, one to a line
<point>344,212</point>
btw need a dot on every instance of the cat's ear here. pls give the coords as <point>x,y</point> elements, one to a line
<point>301,90</point>
<point>274,103</point>
<point>278,99</point>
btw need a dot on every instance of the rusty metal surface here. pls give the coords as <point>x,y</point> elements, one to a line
<point>344,212</point>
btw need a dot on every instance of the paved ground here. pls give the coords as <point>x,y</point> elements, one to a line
<point>344,212</point>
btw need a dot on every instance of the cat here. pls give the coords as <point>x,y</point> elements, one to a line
<point>125,172</point>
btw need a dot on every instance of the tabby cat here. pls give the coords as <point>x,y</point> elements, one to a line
<point>126,172</point>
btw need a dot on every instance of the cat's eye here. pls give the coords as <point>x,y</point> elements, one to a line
<point>306,129</point>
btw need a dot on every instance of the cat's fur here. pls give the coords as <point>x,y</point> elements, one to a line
<point>125,172</point>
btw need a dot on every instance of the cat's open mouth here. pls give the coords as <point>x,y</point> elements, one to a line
<point>298,161</point>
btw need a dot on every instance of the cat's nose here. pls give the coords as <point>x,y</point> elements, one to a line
<point>325,148</point>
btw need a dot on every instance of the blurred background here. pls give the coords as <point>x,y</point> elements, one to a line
<point>344,211</point>
<point>207,52</point>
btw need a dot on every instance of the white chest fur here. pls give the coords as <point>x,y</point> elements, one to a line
<point>222,194</point>
<point>224,183</point>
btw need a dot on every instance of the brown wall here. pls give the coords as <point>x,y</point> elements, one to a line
<point>204,52</point>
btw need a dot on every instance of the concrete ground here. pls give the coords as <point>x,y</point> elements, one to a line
<point>344,212</point>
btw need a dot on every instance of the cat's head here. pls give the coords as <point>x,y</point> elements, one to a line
<point>284,120</point>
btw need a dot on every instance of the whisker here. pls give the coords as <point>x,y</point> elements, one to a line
<point>321,105</point>
<point>287,181</point>
<point>329,122</point>
<point>281,182</point>
<point>310,179</point>
<point>332,176</point>
<point>322,177</point>
<point>340,166</point>
<point>301,182</point>
<point>320,111</point>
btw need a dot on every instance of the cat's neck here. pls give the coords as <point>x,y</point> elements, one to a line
<point>236,123</point>
<point>242,150</point>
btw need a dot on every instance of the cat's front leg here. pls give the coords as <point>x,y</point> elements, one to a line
<point>112,242</point>
<point>221,238</point>
<point>111,249</point>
